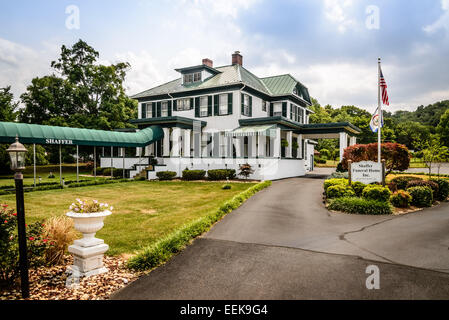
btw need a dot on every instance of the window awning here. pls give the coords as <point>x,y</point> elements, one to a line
<point>40,134</point>
<point>265,130</point>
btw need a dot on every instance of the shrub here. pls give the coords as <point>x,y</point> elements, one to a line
<point>339,175</point>
<point>443,189</point>
<point>358,188</point>
<point>423,183</point>
<point>246,170</point>
<point>339,191</point>
<point>226,187</point>
<point>320,160</point>
<point>221,174</point>
<point>376,192</point>
<point>361,206</point>
<point>341,168</point>
<point>333,182</point>
<point>166,175</point>
<point>163,249</point>
<point>396,155</point>
<point>60,232</point>
<point>421,196</point>
<point>401,199</point>
<point>393,187</point>
<point>190,175</point>
<point>9,249</point>
<point>51,176</point>
<point>116,173</point>
<point>401,182</point>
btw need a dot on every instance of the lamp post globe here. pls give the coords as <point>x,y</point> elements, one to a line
<point>17,153</point>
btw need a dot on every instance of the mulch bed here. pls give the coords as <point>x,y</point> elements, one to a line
<point>49,283</point>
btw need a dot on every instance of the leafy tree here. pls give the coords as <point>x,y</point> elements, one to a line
<point>8,107</point>
<point>410,133</point>
<point>443,128</point>
<point>81,93</point>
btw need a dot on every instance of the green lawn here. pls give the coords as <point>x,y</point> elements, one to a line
<point>143,211</point>
<point>68,173</point>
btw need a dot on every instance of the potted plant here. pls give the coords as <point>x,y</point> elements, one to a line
<point>88,252</point>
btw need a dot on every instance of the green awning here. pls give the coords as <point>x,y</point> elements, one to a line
<point>40,134</point>
<point>246,131</point>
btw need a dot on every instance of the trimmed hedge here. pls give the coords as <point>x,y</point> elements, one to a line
<point>339,191</point>
<point>358,188</point>
<point>339,175</point>
<point>221,174</point>
<point>423,183</point>
<point>356,205</point>
<point>333,182</point>
<point>401,199</point>
<point>421,196</point>
<point>376,192</point>
<point>443,189</point>
<point>401,182</point>
<point>191,175</point>
<point>163,249</point>
<point>165,175</point>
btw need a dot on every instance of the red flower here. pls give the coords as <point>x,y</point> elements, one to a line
<point>31,238</point>
<point>45,240</point>
<point>14,214</point>
<point>26,225</point>
<point>6,221</point>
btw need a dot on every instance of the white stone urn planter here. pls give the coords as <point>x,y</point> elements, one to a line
<point>88,251</point>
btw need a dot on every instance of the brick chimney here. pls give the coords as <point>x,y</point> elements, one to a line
<point>237,58</point>
<point>208,62</point>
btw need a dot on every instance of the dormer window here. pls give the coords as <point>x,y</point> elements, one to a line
<point>192,77</point>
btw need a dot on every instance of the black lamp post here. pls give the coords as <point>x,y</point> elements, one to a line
<point>17,154</point>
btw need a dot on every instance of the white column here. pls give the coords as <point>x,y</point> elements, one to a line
<point>187,147</point>
<point>261,145</point>
<point>288,151</point>
<point>343,143</point>
<point>176,134</point>
<point>252,143</point>
<point>352,141</point>
<point>238,147</point>
<point>166,145</point>
<point>277,143</point>
<point>300,155</point>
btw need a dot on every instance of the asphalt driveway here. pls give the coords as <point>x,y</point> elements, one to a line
<point>283,244</point>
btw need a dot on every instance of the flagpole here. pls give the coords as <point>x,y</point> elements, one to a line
<point>379,118</point>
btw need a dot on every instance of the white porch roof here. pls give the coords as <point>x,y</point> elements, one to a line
<point>251,131</point>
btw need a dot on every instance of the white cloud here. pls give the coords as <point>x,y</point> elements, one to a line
<point>443,20</point>
<point>19,64</point>
<point>336,12</point>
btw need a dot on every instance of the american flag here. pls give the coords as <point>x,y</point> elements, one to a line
<point>383,87</point>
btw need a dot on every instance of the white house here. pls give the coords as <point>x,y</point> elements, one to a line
<point>223,117</point>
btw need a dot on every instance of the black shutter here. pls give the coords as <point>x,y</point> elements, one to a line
<point>243,105</point>
<point>284,109</point>
<point>158,109</point>
<point>153,110</point>
<point>209,106</point>
<point>250,106</point>
<point>169,108</point>
<point>175,105</point>
<point>197,107</point>
<point>271,109</point>
<point>191,103</point>
<point>291,112</point>
<point>229,103</point>
<point>144,110</point>
<point>216,102</point>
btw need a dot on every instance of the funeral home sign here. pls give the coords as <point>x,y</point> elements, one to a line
<point>366,172</point>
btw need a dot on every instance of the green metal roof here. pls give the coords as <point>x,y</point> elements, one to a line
<point>40,134</point>
<point>234,74</point>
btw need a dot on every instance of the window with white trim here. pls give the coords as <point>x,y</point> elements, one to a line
<point>164,109</point>
<point>277,109</point>
<point>223,104</point>
<point>149,111</point>
<point>246,105</point>
<point>183,104</point>
<point>203,106</point>
<point>192,77</point>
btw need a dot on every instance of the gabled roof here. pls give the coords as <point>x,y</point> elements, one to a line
<point>282,85</point>
<point>198,67</point>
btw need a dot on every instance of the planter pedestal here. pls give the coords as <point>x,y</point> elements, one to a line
<point>88,251</point>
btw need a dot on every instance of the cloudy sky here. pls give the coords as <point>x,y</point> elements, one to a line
<point>331,46</point>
